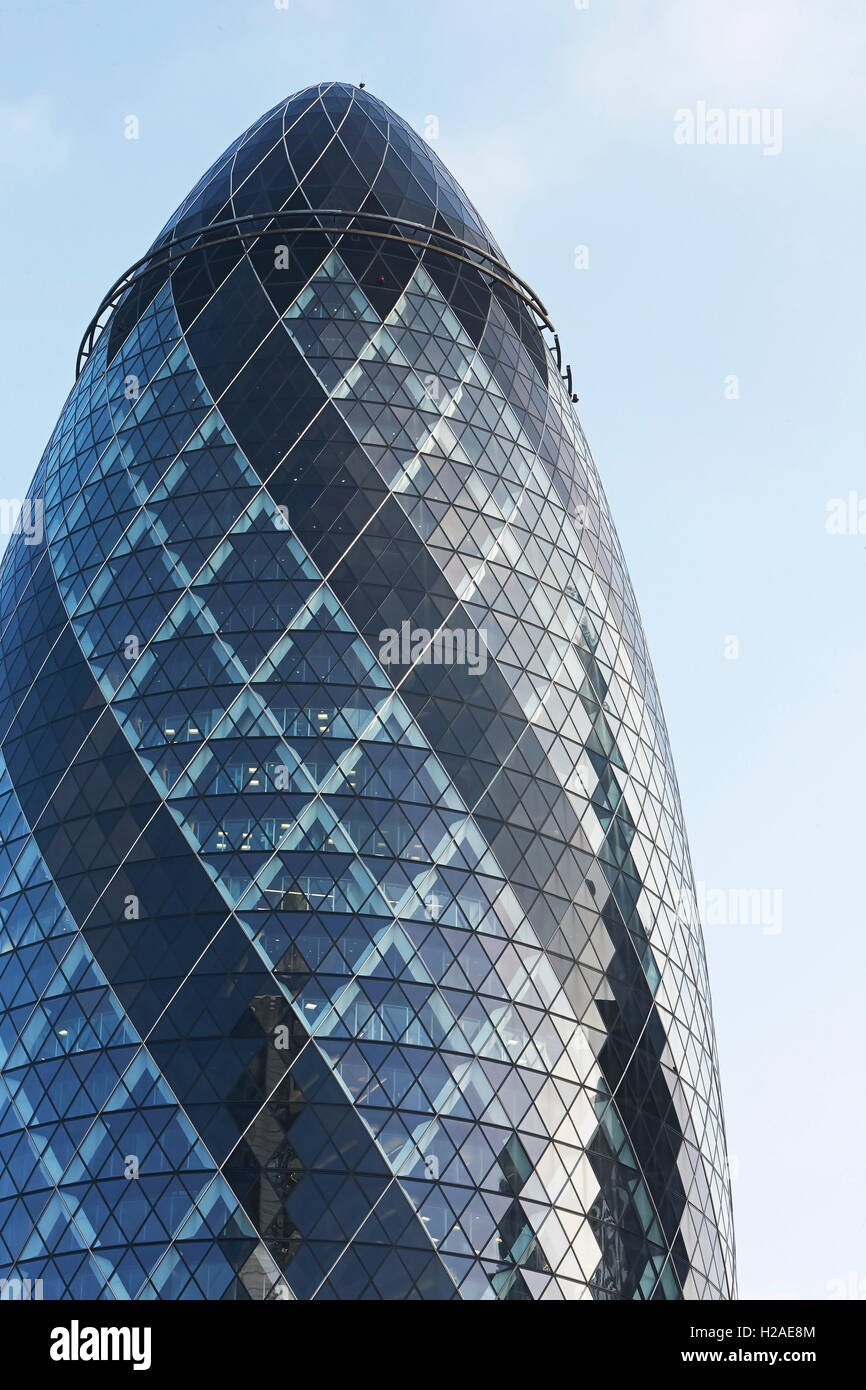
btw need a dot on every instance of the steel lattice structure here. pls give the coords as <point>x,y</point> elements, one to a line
<point>326,973</point>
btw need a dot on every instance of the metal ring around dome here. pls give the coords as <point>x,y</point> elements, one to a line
<point>202,241</point>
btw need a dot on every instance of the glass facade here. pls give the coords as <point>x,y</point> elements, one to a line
<point>348,945</point>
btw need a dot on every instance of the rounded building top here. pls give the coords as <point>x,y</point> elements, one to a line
<point>330,159</point>
<point>331,146</point>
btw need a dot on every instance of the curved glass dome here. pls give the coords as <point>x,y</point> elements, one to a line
<point>331,146</point>
<point>348,942</point>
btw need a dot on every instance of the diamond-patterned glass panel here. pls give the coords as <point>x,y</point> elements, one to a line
<point>348,945</point>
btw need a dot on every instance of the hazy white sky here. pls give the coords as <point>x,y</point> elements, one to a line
<point>706,262</point>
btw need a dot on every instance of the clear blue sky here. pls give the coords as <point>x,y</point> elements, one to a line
<point>705,262</point>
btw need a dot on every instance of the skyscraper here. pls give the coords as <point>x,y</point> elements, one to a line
<point>349,946</point>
